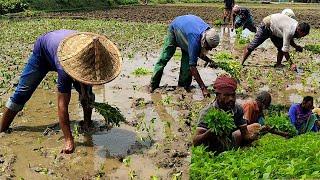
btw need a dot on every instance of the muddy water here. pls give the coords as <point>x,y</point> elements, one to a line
<point>100,153</point>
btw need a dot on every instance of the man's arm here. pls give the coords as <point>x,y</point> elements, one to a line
<point>201,136</point>
<point>297,47</point>
<point>196,75</point>
<point>208,61</point>
<point>63,102</point>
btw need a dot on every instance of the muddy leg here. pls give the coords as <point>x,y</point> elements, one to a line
<point>7,119</point>
<point>168,51</point>
<point>185,77</point>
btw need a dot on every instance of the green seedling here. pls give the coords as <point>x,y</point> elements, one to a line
<point>112,115</point>
<point>314,48</point>
<point>218,22</point>
<point>141,72</point>
<point>127,161</point>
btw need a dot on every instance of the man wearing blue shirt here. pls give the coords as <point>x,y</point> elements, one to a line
<point>195,38</point>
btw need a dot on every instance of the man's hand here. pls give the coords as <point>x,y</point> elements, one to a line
<point>299,48</point>
<point>205,92</point>
<point>68,147</point>
<point>293,67</point>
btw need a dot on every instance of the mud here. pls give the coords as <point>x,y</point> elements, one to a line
<point>209,12</point>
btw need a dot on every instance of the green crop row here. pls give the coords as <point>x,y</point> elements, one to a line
<point>271,157</point>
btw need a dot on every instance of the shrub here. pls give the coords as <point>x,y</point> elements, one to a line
<point>12,6</point>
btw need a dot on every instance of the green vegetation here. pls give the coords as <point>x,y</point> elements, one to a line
<point>112,115</point>
<point>218,22</point>
<point>17,38</point>
<point>239,38</point>
<point>12,6</point>
<point>314,48</point>
<point>271,157</point>
<point>220,122</point>
<point>225,61</point>
<point>141,71</point>
<point>281,123</point>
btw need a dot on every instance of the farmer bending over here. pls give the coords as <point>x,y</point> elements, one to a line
<point>80,59</point>
<point>242,16</point>
<point>281,29</point>
<point>195,38</point>
<point>253,108</point>
<point>225,89</point>
<point>301,116</point>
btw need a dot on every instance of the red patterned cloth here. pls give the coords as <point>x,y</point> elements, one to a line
<point>225,84</point>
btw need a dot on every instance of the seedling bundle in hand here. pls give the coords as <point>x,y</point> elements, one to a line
<point>281,123</point>
<point>220,122</point>
<point>112,115</point>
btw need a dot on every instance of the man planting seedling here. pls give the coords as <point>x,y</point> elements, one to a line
<point>282,30</point>
<point>221,124</point>
<point>81,60</point>
<point>242,17</point>
<point>195,38</point>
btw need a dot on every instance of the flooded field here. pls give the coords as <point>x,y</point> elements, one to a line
<point>155,142</point>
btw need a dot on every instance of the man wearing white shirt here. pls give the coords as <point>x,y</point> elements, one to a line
<point>281,29</point>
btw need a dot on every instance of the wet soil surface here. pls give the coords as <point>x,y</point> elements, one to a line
<point>166,13</point>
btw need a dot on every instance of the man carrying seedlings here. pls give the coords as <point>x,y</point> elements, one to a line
<point>282,30</point>
<point>253,108</point>
<point>228,4</point>
<point>301,116</point>
<point>80,60</point>
<point>242,16</point>
<point>225,89</point>
<point>195,38</point>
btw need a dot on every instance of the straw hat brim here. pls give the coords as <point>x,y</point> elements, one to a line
<point>89,58</point>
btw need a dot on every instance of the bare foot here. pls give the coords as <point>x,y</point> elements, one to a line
<point>68,147</point>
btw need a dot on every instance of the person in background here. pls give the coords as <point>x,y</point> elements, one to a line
<point>301,116</point>
<point>225,89</point>
<point>282,30</point>
<point>253,108</point>
<point>242,17</point>
<point>195,38</point>
<point>228,5</point>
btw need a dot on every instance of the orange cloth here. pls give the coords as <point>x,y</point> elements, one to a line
<point>251,111</point>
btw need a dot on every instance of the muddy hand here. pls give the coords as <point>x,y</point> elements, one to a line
<point>68,147</point>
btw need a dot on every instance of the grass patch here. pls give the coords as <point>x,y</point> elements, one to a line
<point>141,71</point>
<point>314,48</point>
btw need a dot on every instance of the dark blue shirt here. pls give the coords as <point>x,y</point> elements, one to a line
<point>188,31</point>
<point>46,48</point>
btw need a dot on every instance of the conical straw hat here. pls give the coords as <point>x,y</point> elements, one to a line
<point>89,58</point>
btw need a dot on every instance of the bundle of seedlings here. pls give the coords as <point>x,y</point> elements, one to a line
<point>112,115</point>
<point>280,124</point>
<point>221,125</point>
<point>314,48</point>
